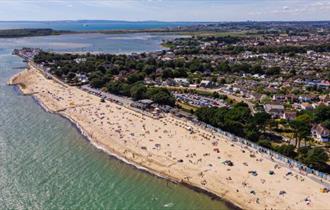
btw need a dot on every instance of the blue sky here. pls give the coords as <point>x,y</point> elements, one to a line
<point>165,10</point>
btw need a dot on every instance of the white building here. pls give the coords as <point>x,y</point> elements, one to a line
<point>320,133</point>
<point>275,110</point>
<point>182,82</point>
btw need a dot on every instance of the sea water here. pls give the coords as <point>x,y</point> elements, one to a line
<point>45,163</point>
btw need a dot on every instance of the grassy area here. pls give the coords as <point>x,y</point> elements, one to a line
<point>190,90</point>
<point>186,107</point>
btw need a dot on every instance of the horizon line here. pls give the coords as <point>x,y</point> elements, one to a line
<point>161,21</point>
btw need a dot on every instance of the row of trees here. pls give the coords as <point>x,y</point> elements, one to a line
<point>238,120</point>
<point>139,91</point>
<point>103,72</point>
<point>12,33</point>
<point>313,157</point>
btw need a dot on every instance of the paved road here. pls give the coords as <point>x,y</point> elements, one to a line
<point>123,100</point>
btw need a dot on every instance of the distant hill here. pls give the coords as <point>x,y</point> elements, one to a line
<point>13,33</point>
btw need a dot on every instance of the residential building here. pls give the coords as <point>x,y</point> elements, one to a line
<point>306,106</point>
<point>182,82</point>
<point>320,133</point>
<point>275,110</point>
<point>205,83</point>
<point>289,115</point>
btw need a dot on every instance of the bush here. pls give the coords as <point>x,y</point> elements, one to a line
<point>313,157</point>
<point>161,96</point>
<point>322,113</point>
<point>137,91</point>
<point>114,87</point>
<point>265,143</point>
<point>286,150</point>
<point>97,82</point>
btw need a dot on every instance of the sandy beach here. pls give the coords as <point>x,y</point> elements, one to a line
<point>178,150</point>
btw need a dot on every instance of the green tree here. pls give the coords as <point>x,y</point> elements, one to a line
<point>161,96</point>
<point>306,118</point>
<point>114,87</point>
<point>138,91</point>
<point>322,113</point>
<point>148,69</point>
<point>261,120</point>
<point>314,157</point>
<point>286,150</point>
<point>180,72</point>
<point>217,117</point>
<point>273,71</point>
<point>265,143</point>
<point>326,124</point>
<point>167,73</point>
<point>135,77</point>
<point>301,131</point>
<point>97,82</point>
<point>125,89</point>
<point>251,133</point>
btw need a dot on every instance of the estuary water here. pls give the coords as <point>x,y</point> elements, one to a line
<point>45,163</point>
<point>93,25</point>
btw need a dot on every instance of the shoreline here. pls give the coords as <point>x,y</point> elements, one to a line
<point>142,168</point>
<point>47,94</point>
<point>104,149</point>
